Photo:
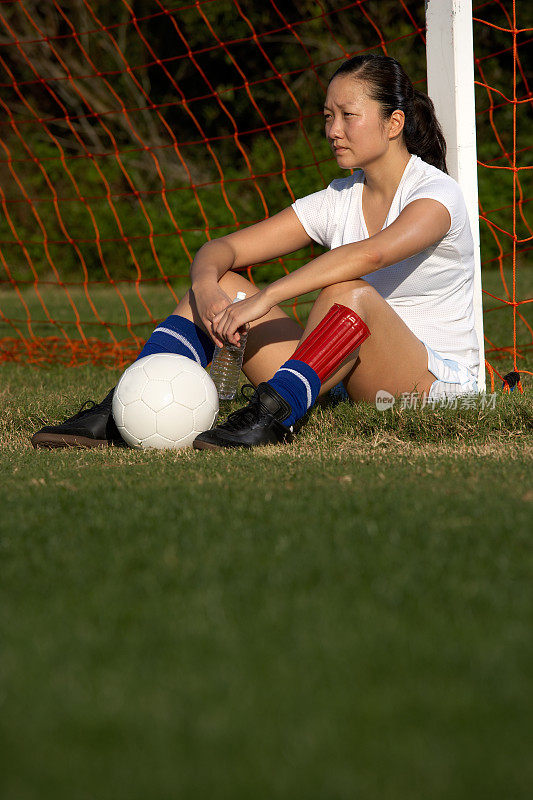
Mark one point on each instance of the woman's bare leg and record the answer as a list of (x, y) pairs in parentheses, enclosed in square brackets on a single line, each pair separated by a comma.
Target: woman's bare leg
[(392, 358), (271, 340)]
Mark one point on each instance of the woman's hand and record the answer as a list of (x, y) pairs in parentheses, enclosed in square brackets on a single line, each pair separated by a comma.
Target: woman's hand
[(226, 323), (210, 301)]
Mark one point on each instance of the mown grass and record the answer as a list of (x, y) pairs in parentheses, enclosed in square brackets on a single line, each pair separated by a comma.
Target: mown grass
[(346, 616)]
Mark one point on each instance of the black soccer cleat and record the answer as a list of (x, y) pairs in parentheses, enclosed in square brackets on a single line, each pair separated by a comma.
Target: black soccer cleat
[(90, 427), (258, 423)]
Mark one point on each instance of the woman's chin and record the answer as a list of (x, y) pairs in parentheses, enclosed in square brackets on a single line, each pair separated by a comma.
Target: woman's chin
[(345, 160)]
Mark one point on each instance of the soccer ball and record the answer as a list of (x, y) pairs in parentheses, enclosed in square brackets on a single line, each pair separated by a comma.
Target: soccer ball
[(164, 400)]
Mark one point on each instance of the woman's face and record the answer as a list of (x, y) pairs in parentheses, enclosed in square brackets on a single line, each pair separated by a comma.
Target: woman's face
[(355, 128)]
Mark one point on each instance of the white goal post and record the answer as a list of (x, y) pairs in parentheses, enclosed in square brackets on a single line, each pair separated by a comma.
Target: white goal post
[(450, 78)]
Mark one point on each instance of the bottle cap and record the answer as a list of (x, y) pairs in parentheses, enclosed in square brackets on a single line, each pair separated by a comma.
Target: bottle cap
[(240, 296)]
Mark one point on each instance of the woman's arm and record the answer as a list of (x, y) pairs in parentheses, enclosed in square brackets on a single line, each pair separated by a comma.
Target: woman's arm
[(421, 224), (273, 237)]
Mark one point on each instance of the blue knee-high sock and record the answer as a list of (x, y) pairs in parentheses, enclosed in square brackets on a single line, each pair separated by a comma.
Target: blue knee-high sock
[(181, 336), (299, 385)]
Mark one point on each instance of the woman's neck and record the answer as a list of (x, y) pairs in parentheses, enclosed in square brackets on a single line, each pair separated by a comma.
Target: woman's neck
[(383, 176)]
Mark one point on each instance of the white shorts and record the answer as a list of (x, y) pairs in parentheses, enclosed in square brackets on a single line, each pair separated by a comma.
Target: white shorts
[(452, 379)]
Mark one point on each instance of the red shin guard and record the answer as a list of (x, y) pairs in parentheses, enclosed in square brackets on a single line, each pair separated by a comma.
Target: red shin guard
[(339, 334)]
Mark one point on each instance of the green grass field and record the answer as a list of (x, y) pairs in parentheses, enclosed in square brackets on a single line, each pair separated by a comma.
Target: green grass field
[(348, 616)]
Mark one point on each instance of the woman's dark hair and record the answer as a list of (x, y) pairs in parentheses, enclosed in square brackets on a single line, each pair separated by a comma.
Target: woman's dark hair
[(391, 88)]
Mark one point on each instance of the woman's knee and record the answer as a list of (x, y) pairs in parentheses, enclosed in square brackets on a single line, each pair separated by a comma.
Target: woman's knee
[(233, 282), (356, 294), (230, 283)]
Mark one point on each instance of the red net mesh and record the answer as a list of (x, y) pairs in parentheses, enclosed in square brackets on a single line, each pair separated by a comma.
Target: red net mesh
[(133, 132)]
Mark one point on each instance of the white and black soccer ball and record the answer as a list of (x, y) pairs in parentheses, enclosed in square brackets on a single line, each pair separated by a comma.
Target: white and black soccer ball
[(164, 400)]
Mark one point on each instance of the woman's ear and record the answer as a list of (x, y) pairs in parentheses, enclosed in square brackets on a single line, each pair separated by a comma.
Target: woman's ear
[(396, 123)]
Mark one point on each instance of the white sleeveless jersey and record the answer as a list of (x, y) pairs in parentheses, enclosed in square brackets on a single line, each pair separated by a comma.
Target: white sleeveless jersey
[(433, 290)]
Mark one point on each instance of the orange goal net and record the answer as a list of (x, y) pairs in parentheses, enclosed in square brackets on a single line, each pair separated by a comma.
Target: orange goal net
[(132, 132)]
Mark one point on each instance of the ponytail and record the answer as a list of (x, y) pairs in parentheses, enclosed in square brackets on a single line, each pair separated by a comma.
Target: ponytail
[(391, 88), (423, 134)]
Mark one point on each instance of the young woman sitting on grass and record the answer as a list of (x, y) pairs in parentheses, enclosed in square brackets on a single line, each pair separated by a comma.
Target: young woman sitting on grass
[(398, 277)]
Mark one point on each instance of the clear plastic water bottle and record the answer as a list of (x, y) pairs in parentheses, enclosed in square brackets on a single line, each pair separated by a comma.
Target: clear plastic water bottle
[(227, 363)]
